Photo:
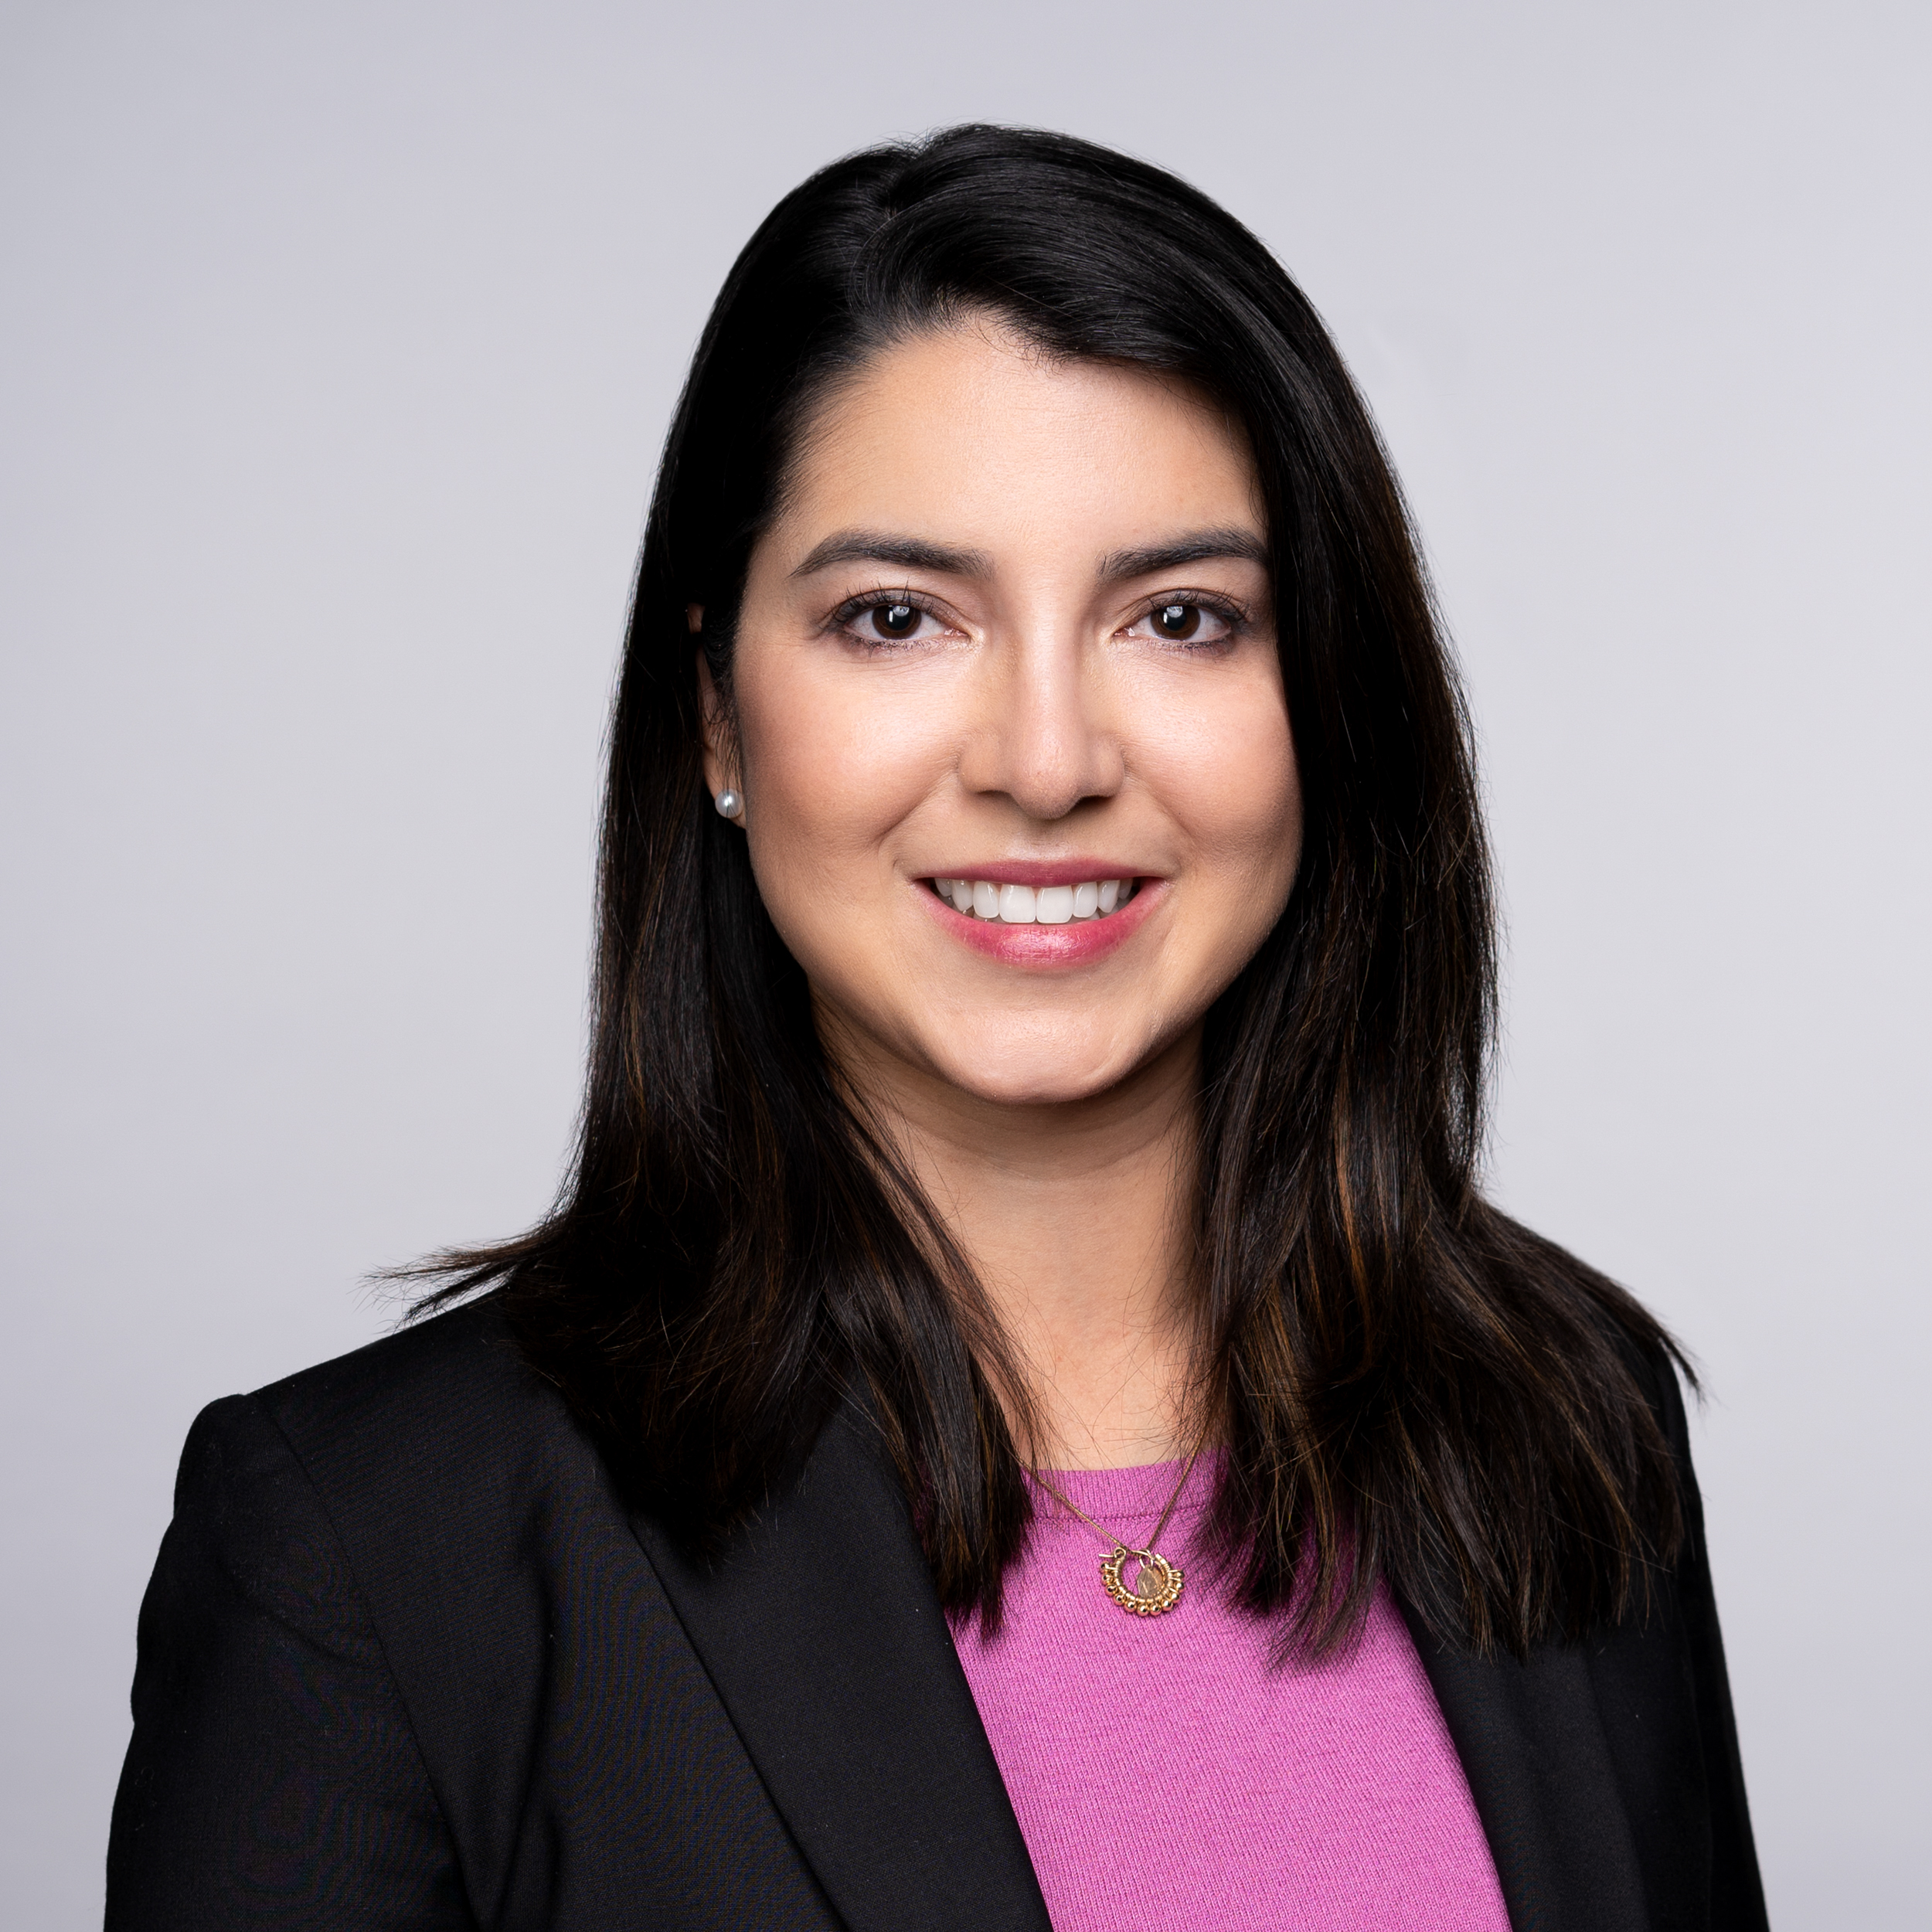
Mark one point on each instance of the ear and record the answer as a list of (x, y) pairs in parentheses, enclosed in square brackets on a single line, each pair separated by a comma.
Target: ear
[(720, 739)]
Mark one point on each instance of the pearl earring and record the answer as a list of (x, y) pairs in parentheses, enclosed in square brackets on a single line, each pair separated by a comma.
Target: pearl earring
[(729, 803)]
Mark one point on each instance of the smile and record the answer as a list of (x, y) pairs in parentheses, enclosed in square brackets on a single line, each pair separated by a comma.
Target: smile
[(1035, 906)]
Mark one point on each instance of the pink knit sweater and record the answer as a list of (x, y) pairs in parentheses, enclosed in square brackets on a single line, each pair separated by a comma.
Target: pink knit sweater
[(1164, 1771)]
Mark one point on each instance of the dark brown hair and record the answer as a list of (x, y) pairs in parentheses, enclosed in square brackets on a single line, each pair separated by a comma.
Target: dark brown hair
[(1408, 1384)]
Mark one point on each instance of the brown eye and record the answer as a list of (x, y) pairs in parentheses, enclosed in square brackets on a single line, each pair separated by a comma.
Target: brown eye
[(895, 619), (1188, 621)]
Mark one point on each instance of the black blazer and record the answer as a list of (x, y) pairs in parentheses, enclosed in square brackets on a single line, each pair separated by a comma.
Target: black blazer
[(408, 1660)]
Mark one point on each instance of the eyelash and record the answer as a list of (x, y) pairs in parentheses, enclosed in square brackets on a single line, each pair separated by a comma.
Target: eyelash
[(853, 608), (1233, 615)]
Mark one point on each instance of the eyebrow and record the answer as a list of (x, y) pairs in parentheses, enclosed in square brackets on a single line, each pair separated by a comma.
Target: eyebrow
[(1198, 546), (907, 553), (916, 553)]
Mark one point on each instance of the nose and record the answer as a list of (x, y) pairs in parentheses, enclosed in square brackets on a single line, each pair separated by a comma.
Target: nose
[(1046, 736)]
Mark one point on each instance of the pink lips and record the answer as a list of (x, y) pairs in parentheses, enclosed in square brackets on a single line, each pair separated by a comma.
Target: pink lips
[(1077, 943)]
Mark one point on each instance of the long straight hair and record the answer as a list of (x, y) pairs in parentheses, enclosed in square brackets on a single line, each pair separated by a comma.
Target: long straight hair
[(1408, 1385)]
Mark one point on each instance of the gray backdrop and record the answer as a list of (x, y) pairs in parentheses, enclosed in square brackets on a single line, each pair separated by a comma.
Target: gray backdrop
[(335, 345)]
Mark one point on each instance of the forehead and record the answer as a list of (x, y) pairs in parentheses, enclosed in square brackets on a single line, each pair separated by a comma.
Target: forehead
[(972, 435)]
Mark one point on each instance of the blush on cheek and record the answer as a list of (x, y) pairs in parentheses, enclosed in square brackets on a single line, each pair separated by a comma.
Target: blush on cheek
[(832, 742), (817, 826), (1232, 783)]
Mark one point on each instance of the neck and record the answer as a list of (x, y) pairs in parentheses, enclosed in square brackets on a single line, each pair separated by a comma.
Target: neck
[(1075, 1217)]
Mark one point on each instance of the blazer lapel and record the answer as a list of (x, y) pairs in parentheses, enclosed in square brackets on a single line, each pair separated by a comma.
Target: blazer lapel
[(821, 1632), (1532, 1743)]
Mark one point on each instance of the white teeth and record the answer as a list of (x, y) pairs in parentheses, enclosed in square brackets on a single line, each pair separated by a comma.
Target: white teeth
[(1028, 906)]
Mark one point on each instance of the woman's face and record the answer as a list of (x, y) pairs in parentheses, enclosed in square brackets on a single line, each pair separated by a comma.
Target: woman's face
[(1018, 778)]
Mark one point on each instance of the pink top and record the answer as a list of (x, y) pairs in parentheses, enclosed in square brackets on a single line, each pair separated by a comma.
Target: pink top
[(1162, 1764)]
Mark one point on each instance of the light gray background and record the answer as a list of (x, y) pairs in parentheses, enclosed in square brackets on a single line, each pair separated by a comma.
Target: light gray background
[(335, 345)]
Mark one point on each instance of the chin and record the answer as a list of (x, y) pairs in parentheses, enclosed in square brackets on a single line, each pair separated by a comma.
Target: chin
[(1035, 1092), (1008, 1075)]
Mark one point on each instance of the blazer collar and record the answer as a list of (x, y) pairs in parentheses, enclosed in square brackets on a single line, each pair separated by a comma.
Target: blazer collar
[(822, 1633)]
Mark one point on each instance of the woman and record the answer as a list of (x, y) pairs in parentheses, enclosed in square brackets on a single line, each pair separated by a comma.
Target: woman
[(1021, 1413)]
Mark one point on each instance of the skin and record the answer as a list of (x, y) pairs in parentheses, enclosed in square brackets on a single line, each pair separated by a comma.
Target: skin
[(1037, 712)]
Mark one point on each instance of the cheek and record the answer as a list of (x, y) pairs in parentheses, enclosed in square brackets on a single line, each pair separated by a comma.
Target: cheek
[(831, 764), (1226, 771)]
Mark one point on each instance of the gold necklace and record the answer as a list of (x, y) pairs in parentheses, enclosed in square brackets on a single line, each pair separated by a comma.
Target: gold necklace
[(1156, 1588)]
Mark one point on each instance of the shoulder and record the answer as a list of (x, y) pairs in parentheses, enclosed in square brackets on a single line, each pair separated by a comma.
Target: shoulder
[(440, 1430), (459, 1368), (479, 1526)]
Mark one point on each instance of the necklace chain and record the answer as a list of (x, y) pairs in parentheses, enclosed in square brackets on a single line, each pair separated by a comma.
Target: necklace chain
[(1158, 1588)]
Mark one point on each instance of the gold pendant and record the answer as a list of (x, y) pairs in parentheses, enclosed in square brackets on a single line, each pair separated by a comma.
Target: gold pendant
[(1156, 1589)]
